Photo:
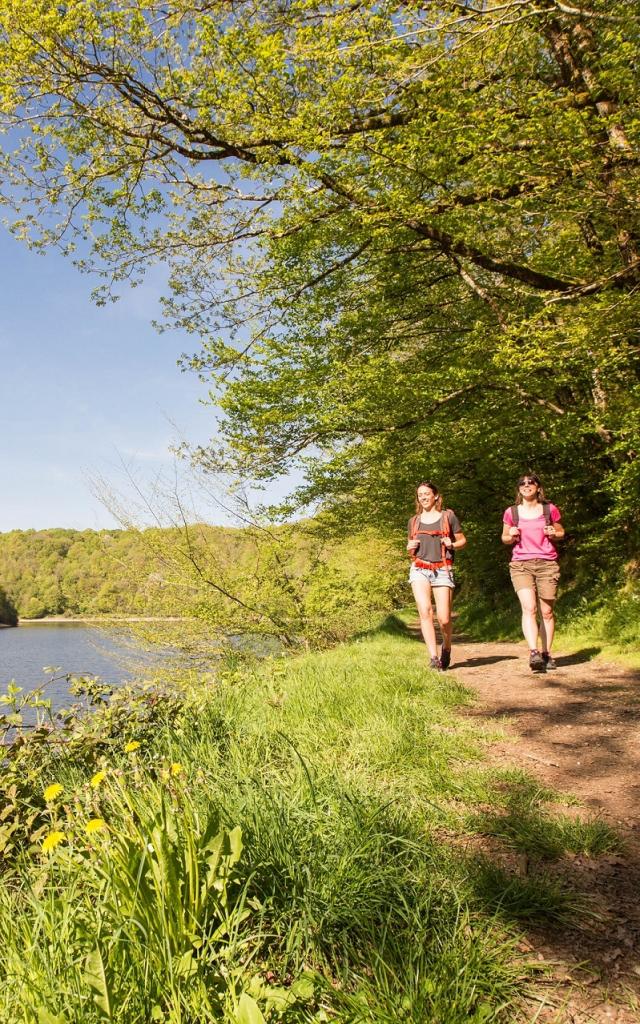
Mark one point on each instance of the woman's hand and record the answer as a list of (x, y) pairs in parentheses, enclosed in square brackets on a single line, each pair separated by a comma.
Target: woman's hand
[(550, 531), (448, 543), (412, 546), (510, 534)]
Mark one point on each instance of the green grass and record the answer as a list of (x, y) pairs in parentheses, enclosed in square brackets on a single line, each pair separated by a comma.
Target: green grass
[(539, 834), (612, 625), (533, 897), (605, 620), (291, 845)]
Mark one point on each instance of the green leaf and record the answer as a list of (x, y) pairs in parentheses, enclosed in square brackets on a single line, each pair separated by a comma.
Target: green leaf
[(47, 1017), (96, 976), (304, 988), (235, 842), (248, 1011), (186, 966)]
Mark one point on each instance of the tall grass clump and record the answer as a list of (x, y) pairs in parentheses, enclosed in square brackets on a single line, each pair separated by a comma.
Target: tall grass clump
[(516, 812), (611, 620), (132, 911)]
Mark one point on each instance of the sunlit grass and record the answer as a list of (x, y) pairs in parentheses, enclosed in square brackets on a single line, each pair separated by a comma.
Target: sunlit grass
[(604, 619), (288, 845)]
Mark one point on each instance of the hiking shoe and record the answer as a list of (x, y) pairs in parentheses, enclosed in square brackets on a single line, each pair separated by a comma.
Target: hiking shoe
[(536, 661), (445, 658), (549, 663), (436, 664)]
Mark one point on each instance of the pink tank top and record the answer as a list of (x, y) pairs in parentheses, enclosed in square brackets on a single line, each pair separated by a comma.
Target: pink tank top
[(532, 543)]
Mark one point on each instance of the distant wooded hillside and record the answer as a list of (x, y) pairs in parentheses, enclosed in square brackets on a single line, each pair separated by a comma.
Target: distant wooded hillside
[(70, 572)]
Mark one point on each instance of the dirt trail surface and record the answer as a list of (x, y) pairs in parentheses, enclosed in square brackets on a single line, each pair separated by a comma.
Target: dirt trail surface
[(577, 730)]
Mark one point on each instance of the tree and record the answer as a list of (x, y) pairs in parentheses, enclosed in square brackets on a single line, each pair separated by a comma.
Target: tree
[(407, 234), (8, 613)]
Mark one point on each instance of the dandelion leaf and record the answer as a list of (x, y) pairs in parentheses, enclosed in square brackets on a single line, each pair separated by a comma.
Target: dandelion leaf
[(96, 976)]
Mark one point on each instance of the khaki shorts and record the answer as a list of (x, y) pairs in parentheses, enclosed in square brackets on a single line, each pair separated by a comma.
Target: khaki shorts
[(539, 574)]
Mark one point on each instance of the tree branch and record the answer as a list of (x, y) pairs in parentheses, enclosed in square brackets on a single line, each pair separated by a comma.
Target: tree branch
[(481, 292), (349, 258), (456, 247)]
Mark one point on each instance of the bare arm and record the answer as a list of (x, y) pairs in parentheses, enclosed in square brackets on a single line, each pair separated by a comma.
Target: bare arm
[(555, 531), (458, 542)]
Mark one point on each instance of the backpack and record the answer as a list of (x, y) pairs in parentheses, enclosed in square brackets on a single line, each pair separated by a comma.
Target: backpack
[(546, 511)]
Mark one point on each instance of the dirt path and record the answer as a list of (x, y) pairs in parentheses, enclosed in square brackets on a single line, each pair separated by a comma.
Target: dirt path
[(577, 730)]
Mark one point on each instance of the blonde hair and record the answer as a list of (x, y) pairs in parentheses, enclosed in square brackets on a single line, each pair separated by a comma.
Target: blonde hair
[(436, 491)]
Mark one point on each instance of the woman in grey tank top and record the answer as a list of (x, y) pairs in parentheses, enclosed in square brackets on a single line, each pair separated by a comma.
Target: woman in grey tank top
[(434, 535)]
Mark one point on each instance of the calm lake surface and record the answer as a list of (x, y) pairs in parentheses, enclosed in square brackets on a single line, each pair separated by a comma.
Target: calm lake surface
[(71, 647)]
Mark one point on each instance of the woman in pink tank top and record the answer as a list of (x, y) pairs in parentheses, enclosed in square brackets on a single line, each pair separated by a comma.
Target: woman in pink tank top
[(532, 526)]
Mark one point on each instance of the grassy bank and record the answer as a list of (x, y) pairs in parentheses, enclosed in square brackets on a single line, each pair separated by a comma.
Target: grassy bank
[(312, 839)]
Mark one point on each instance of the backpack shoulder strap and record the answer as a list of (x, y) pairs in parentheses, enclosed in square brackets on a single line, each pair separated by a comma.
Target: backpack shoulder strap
[(515, 518), (415, 522), (546, 511), (446, 553)]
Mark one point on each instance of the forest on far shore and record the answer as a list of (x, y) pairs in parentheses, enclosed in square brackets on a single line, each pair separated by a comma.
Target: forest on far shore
[(72, 572)]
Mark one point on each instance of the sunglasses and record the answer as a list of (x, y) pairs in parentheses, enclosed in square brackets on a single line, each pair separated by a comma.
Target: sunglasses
[(526, 481)]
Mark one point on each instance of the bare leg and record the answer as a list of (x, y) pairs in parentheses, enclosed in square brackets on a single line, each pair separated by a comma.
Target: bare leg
[(442, 596), (547, 624), (527, 598), (422, 593)]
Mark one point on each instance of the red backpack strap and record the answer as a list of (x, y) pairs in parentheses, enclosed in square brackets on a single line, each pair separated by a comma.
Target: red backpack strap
[(413, 530), (447, 555), (447, 527), (446, 532)]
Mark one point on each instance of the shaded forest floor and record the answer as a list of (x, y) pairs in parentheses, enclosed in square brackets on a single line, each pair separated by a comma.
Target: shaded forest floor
[(577, 730)]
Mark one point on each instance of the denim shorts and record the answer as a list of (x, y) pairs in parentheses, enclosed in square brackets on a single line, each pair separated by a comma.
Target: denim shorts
[(436, 577)]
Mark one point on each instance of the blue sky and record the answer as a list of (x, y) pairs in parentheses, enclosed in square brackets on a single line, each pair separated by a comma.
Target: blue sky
[(83, 389)]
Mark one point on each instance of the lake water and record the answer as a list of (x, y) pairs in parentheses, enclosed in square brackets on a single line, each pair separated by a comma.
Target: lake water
[(70, 647)]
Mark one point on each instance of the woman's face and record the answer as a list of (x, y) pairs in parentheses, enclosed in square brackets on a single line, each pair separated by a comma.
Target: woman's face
[(426, 497), (528, 488)]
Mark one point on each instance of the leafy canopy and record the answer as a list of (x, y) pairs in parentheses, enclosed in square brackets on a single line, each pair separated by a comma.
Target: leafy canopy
[(405, 235)]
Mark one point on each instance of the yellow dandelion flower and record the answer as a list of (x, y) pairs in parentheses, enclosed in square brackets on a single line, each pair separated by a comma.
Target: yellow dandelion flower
[(53, 791), (52, 840), (95, 825), (175, 768), (131, 746), (97, 779)]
